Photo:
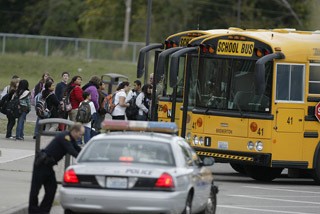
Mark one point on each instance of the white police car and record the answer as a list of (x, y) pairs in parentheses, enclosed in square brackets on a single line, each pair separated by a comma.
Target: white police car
[(138, 170)]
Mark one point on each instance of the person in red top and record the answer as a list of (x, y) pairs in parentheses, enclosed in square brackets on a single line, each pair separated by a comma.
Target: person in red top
[(75, 90)]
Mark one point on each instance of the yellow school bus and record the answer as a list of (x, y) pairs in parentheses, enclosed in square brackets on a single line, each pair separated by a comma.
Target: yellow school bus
[(169, 100), (255, 101), (161, 110)]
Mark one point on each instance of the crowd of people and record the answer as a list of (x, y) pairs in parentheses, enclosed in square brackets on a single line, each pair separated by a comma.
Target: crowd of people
[(129, 103)]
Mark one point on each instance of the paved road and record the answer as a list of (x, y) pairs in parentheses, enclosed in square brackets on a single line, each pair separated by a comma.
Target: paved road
[(241, 195), (238, 194)]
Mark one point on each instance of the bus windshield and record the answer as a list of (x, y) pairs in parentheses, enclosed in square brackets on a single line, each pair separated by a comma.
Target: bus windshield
[(228, 84)]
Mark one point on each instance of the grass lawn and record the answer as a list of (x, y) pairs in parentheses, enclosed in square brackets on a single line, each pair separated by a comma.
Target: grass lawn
[(28, 127), (31, 68)]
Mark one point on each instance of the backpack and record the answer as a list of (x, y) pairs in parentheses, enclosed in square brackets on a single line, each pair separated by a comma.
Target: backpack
[(109, 104), (65, 104), (41, 107), (133, 110), (33, 97), (102, 109), (84, 113), (3, 103), (13, 108)]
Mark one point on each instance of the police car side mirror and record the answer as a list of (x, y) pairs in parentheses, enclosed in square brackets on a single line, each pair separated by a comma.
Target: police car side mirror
[(208, 161)]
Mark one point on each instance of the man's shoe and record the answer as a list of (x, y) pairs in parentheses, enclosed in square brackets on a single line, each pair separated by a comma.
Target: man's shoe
[(19, 138)]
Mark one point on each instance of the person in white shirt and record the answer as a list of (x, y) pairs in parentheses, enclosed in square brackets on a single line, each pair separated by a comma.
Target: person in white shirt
[(135, 91), (6, 89), (87, 126), (143, 102), (131, 99), (120, 101)]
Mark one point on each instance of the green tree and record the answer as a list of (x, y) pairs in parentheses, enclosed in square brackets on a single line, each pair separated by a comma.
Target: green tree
[(103, 19)]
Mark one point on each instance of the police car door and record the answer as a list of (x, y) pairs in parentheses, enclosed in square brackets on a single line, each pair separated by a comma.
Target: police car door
[(199, 190)]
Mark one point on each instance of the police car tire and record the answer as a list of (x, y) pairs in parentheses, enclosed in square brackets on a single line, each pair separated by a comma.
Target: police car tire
[(69, 212), (187, 208), (213, 198)]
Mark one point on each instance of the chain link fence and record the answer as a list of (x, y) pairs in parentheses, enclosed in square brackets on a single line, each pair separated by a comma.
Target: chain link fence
[(72, 47)]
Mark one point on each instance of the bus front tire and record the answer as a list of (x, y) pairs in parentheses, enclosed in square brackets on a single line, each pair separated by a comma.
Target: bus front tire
[(238, 168), (263, 173), (316, 171)]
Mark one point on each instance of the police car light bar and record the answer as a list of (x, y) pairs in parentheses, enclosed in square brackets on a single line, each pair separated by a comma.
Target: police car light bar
[(127, 125)]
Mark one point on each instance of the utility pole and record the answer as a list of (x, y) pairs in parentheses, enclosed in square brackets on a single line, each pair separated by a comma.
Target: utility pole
[(239, 14), (149, 9), (127, 24)]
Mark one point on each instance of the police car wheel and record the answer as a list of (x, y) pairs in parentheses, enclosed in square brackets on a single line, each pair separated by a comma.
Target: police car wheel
[(69, 212), (211, 202), (187, 209)]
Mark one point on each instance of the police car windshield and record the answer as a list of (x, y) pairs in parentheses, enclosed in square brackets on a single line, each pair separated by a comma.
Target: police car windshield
[(128, 151)]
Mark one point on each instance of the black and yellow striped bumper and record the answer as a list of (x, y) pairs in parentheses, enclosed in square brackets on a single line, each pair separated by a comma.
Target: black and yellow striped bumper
[(224, 156)]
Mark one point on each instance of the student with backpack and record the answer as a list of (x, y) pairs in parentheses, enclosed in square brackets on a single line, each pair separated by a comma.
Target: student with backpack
[(85, 114), (50, 103), (132, 110), (35, 93), (39, 87), (24, 106), (120, 101), (6, 89), (143, 102), (92, 87), (4, 100)]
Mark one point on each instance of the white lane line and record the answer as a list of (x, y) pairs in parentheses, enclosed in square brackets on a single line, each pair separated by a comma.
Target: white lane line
[(288, 196), (253, 206), (275, 199), (261, 210), (280, 189), (9, 155)]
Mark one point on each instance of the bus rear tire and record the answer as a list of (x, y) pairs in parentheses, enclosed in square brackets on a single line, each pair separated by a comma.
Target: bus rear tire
[(263, 173), (238, 168)]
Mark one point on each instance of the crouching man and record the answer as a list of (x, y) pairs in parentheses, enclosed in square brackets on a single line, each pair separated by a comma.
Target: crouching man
[(43, 173)]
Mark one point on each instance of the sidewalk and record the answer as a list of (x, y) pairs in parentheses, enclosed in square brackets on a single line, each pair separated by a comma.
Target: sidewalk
[(16, 160)]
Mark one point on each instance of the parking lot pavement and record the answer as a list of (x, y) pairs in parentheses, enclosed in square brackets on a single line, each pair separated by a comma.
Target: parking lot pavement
[(16, 162)]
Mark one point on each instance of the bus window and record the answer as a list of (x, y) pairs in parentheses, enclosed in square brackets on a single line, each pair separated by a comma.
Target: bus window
[(193, 80), (229, 84), (314, 79), (290, 79)]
